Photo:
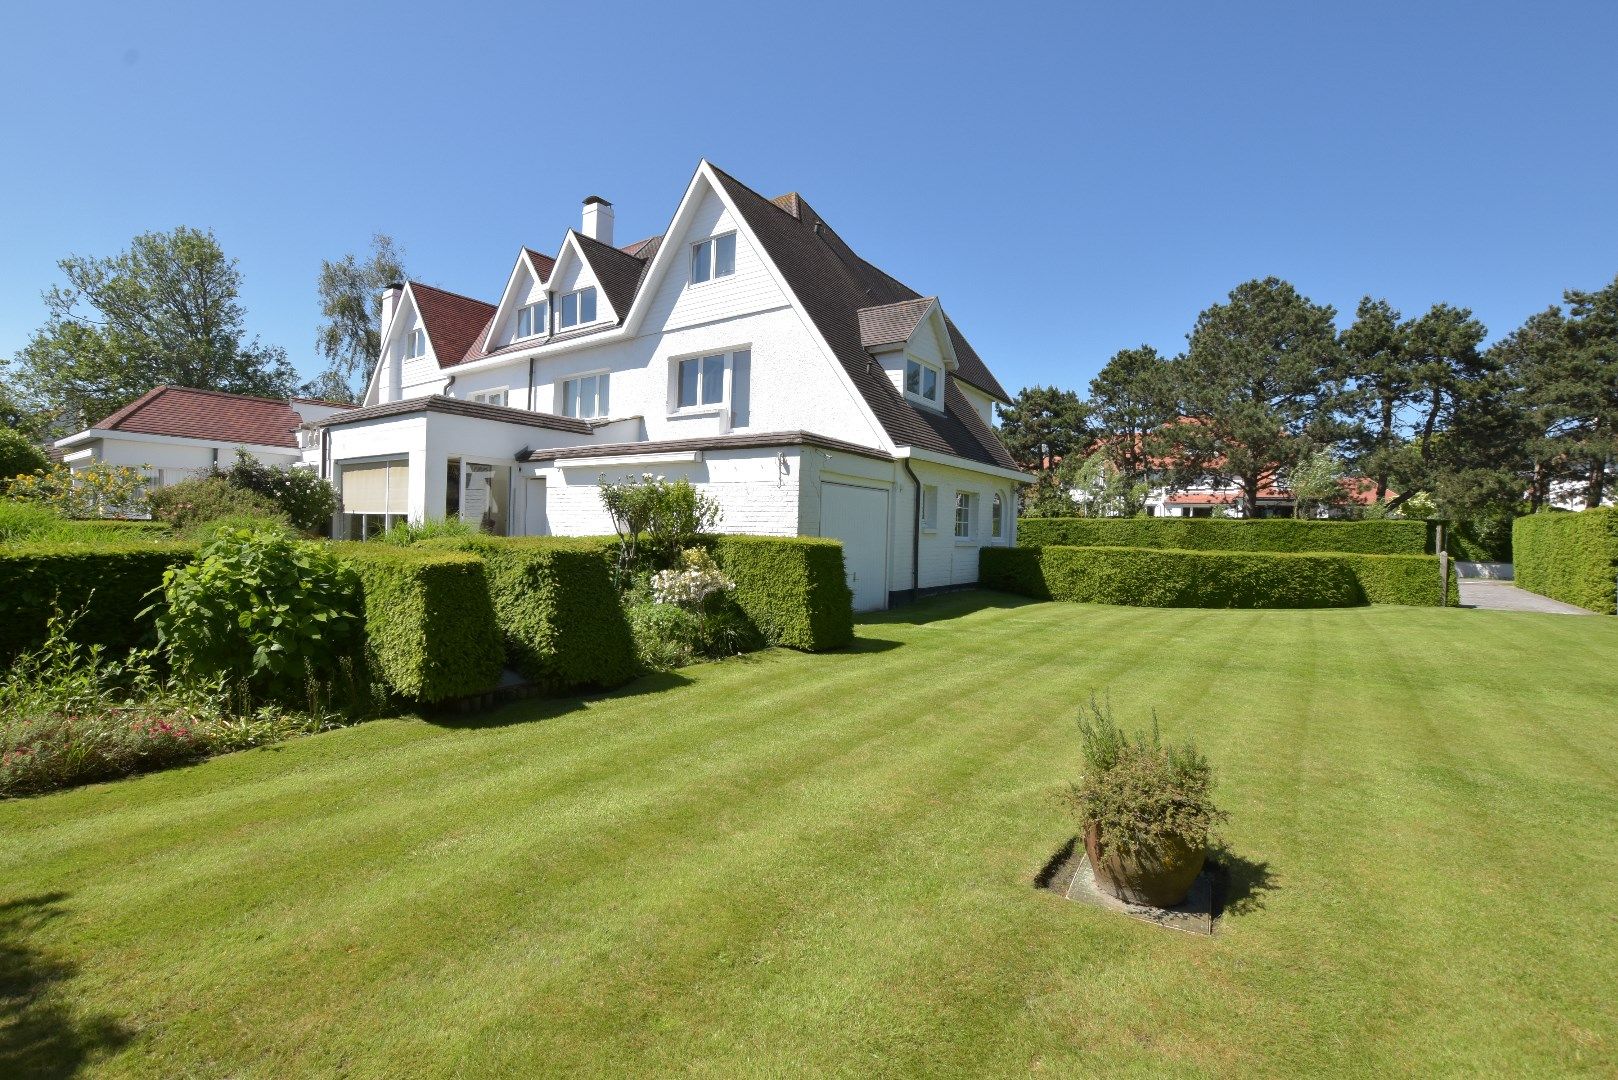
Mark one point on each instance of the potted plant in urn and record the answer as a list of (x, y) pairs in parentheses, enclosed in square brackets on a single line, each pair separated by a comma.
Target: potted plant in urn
[(1146, 808)]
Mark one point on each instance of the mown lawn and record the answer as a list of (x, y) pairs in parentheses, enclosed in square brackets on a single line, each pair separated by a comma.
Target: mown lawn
[(823, 864)]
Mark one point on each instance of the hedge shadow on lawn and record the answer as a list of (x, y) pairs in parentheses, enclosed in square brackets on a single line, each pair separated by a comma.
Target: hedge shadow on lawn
[(41, 1034), (942, 607), (530, 710)]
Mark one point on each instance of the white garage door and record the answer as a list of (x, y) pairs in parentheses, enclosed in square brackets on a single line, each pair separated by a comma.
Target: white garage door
[(858, 516)]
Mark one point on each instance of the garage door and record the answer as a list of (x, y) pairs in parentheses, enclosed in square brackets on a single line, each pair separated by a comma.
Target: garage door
[(858, 516)]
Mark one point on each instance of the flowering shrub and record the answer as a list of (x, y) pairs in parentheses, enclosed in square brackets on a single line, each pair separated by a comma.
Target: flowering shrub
[(692, 582), (655, 518), (193, 503), (96, 490), (301, 495)]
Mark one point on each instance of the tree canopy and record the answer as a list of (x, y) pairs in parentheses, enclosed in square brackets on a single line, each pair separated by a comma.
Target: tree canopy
[(351, 304)]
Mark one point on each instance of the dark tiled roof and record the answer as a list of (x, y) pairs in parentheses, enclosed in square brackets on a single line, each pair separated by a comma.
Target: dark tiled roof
[(458, 407), (455, 323), (892, 324), (182, 412), (710, 442), (833, 284), (542, 263), (618, 272)]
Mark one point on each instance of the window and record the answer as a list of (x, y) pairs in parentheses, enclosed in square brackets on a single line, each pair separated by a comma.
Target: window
[(929, 508), (585, 397), (416, 344), (997, 523), (713, 258), (578, 308), (963, 515), (375, 496), (700, 381), (921, 380), (490, 397), (533, 319)]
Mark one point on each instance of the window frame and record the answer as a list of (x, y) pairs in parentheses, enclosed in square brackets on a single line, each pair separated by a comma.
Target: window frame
[(923, 369), (965, 500), (727, 368), (535, 327), (929, 515), (997, 517), (561, 392), (481, 396), (579, 320), (416, 343), (711, 261)]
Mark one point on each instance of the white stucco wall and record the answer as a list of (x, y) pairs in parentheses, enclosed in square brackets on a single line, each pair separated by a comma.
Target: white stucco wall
[(170, 460)]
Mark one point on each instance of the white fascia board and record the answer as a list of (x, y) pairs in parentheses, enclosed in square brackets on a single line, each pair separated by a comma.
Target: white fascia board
[(183, 440), (665, 457), (506, 297), (919, 454), (934, 317)]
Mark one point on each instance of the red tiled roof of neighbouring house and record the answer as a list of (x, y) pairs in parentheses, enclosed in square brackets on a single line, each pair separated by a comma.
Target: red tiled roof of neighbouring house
[(454, 322), (182, 412)]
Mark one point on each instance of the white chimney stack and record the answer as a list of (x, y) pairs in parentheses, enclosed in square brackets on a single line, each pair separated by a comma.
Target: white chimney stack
[(390, 304), (598, 219)]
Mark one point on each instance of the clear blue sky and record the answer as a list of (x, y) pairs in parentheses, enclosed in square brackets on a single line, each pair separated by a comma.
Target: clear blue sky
[(1070, 181)]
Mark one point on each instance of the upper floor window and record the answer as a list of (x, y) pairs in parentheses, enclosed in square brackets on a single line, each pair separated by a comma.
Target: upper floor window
[(921, 380), (963, 515), (578, 308), (997, 522), (416, 343), (500, 396), (700, 381), (532, 319), (585, 397), (713, 258)]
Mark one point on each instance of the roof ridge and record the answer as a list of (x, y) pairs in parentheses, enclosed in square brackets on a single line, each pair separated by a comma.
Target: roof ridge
[(449, 292)]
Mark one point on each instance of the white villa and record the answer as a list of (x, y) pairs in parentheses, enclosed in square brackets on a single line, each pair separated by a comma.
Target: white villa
[(748, 349)]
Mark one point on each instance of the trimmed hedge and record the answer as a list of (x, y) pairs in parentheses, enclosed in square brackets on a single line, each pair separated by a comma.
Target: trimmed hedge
[(429, 624), (556, 606), (792, 588), (113, 584), (1228, 534), (1162, 577), (1571, 557)]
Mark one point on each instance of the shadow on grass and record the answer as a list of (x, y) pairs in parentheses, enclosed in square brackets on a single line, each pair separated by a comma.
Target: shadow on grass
[(863, 644), (529, 710), (40, 1036), (1240, 884), (944, 606)]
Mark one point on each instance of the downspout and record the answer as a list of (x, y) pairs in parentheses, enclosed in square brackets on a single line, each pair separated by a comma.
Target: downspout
[(915, 534)]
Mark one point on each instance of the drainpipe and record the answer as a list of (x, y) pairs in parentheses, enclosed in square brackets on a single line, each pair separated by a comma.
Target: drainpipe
[(915, 533)]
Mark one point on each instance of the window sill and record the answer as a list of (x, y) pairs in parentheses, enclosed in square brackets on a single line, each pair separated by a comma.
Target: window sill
[(697, 410), (710, 281)]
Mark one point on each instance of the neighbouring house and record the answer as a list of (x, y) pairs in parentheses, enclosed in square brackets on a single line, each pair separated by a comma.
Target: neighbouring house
[(172, 432), (748, 348)]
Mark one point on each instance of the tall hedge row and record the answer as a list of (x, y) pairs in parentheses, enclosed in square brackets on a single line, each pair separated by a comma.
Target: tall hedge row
[(430, 625), (111, 583), (792, 588), (1571, 557), (1228, 534), (557, 608), (1161, 577)]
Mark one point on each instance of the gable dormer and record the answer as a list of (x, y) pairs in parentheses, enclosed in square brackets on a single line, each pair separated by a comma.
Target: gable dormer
[(523, 312), (912, 342), (578, 300)]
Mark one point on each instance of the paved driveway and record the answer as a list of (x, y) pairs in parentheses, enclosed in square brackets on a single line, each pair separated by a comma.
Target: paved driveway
[(1504, 596)]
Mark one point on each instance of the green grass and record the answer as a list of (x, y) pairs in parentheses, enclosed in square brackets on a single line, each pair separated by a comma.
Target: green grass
[(796, 863)]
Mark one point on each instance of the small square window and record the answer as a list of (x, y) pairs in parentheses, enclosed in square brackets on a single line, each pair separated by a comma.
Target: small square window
[(713, 258), (578, 308), (921, 380)]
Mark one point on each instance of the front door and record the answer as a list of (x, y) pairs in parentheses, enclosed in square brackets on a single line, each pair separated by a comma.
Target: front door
[(858, 516), (534, 523)]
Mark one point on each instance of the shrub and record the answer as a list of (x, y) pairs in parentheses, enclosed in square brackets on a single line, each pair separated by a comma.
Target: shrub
[(23, 521), (19, 455), (263, 610), (201, 499), (1150, 577), (791, 588), (29, 522), (560, 617), (1481, 539), (666, 636), (406, 533), (95, 490), (1140, 795), (656, 518), (430, 627), (206, 532), (1571, 557), (301, 495), (1390, 537), (112, 583)]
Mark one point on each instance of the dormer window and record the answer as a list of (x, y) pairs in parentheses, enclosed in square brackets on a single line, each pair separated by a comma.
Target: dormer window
[(713, 258), (416, 343), (578, 308), (532, 320), (921, 381)]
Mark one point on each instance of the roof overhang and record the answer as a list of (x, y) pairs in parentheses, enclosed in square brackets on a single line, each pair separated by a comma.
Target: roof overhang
[(91, 434), (917, 453)]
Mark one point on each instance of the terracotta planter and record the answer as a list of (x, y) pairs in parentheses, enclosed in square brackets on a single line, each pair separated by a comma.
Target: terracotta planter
[(1160, 878)]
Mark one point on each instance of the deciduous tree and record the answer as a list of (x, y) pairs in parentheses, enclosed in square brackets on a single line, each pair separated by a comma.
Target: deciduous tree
[(351, 304)]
